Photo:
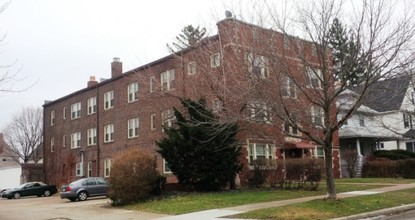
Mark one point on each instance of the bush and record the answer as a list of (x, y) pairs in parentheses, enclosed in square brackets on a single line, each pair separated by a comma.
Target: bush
[(261, 172), (407, 168), (133, 177), (394, 154), (381, 167)]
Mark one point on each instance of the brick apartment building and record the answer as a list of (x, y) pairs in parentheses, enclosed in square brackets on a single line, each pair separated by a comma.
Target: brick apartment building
[(232, 70)]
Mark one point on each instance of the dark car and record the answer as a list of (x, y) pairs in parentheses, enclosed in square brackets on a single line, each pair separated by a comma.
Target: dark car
[(30, 189), (83, 188)]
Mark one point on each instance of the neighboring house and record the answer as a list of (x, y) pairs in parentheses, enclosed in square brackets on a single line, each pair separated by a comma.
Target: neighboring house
[(85, 129), (10, 169), (384, 121)]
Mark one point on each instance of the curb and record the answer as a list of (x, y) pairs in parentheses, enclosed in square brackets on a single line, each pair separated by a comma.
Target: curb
[(401, 208)]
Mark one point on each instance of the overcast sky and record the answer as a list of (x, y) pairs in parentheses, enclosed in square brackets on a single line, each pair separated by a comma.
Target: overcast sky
[(57, 45)]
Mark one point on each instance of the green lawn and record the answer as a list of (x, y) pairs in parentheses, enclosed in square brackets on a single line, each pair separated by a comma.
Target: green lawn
[(320, 209), (180, 203)]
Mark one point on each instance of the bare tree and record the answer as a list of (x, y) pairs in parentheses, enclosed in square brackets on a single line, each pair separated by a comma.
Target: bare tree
[(24, 134)]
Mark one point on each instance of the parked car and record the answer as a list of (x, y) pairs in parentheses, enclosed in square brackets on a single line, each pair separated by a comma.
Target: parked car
[(30, 189), (83, 188)]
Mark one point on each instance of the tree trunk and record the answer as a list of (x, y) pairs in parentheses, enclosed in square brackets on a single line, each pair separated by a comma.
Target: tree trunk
[(331, 188)]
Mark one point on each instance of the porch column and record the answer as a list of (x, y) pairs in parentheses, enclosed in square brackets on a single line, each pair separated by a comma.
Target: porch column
[(359, 152)]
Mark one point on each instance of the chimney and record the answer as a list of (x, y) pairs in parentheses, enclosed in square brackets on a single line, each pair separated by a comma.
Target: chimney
[(116, 67), (1, 143), (92, 81)]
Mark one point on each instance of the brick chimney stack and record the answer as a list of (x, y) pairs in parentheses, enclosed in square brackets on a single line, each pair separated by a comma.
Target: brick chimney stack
[(92, 81), (1, 143), (116, 67)]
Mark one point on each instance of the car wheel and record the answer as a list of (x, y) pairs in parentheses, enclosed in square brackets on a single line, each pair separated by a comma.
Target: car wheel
[(82, 196), (72, 199), (46, 193), (16, 195)]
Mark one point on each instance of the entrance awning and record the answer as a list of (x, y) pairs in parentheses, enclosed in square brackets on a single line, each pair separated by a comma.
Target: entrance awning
[(299, 145)]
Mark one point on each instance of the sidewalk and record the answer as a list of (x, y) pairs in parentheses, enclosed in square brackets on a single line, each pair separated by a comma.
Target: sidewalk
[(220, 213)]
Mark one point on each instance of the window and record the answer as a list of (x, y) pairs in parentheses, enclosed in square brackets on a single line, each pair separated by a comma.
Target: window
[(109, 99), (79, 169), (167, 80), (410, 146), (288, 88), (152, 83), (52, 118), (52, 144), (258, 65), (407, 120), (361, 120), (166, 168), (317, 116), (107, 167), (259, 111), (64, 113), (108, 133), (133, 125), (319, 152), (76, 110), (132, 92), (92, 105), (168, 118), (293, 130), (258, 151), (315, 77), (314, 50), (76, 140), (92, 136), (191, 68), (217, 105), (215, 60), (89, 168), (153, 122), (64, 141)]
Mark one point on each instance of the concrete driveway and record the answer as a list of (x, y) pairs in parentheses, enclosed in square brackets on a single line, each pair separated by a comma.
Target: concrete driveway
[(48, 208)]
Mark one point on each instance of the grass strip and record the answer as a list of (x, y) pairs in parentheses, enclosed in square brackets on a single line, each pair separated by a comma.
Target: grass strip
[(181, 203), (321, 209)]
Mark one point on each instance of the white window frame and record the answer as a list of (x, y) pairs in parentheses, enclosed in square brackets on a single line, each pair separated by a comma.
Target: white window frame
[(289, 88), (75, 140), (152, 84), (52, 144), (107, 167), (89, 169), (168, 118), (109, 100), (291, 130), (407, 120), (52, 118), (215, 60), (315, 76), (167, 80), (258, 65), (269, 151), (361, 119), (191, 68), (132, 91), (92, 105), (166, 168), (317, 112), (76, 110), (108, 133), (259, 112), (64, 113), (92, 136), (319, 152), (153, 121), (79, 169), (217, 105), (133, 126)]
